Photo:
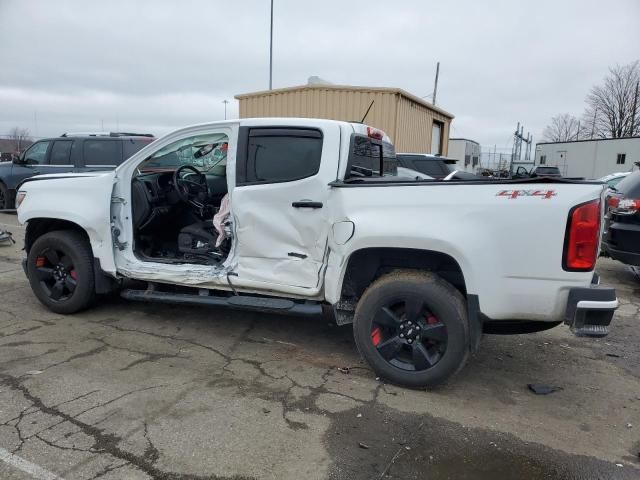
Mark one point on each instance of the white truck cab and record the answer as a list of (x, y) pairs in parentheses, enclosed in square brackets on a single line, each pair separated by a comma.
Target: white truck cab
[(306, 216)]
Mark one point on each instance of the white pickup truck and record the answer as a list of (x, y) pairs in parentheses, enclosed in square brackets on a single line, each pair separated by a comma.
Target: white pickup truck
[(311, 217)]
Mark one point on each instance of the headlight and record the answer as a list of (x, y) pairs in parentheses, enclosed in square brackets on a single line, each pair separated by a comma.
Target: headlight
[(19, 198)]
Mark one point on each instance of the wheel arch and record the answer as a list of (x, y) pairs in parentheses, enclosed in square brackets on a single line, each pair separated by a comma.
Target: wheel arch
[(364, 266), (36, 227)]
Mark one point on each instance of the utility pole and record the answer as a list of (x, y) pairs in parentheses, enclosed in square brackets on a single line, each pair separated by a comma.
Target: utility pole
[(225, 101), (435, 85), (527, 153), (495, 151), (516, 149), (271, 50)]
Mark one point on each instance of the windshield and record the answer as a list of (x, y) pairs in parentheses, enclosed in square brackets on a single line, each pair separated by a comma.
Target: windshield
[(369, 157), (202, 152)]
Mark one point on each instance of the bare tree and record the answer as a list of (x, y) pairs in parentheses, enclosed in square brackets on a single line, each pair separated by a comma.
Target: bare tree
[(613, 108), (19, 138), (563, 128)]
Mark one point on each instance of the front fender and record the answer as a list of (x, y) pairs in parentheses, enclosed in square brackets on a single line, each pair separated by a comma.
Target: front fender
[(83, 200)]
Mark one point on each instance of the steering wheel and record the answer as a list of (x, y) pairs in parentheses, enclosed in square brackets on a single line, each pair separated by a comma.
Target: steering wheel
[(189, 190)]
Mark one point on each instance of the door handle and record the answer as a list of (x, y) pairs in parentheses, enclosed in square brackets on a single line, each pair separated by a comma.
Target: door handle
[(306, 204)]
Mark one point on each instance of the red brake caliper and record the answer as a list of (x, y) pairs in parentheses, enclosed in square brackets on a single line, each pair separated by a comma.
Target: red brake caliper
[(431, 320), (376, 336), (73, 274), (40, 262)]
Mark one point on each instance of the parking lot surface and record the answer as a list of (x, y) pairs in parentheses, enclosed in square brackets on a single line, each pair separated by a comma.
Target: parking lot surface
[(137, 391)]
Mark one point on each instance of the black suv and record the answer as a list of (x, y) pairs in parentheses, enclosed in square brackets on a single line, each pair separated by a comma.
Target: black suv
[(538, 171), (433, 165), (69, 153), (621, 239)]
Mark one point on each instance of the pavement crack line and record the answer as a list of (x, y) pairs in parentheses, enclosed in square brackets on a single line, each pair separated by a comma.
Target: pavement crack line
[(104, 443), (108, 469)]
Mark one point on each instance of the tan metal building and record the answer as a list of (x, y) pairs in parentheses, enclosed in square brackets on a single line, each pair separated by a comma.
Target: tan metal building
[(413, 124)]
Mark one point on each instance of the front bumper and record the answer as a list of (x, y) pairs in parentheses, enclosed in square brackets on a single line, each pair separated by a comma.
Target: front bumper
[(590, 310), (630, 258)]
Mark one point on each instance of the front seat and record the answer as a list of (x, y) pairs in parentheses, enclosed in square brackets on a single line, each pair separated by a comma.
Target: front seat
[(199, 239)]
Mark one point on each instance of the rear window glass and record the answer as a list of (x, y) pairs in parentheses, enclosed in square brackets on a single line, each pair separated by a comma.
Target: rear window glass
[(553, 170), (283, 158), (434, 167), (369, 157), (630, 185), (132, 145), (102, 152)]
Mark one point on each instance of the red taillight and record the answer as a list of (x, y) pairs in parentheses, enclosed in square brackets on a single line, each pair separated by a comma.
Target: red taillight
[(624, 206), (582, 237), (374, 133)]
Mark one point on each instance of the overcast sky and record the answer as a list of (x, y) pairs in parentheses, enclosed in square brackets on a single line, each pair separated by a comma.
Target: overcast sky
[(158, 65)]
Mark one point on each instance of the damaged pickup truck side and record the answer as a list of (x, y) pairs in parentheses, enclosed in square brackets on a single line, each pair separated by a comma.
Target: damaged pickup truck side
[(307, 216)]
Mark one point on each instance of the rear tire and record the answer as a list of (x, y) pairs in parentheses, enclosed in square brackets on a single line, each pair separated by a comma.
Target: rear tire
[(60, 270), (6, 199), (412, 328)]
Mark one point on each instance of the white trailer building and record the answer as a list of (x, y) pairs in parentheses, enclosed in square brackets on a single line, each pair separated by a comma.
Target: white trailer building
[(467, 152), (590, 159)]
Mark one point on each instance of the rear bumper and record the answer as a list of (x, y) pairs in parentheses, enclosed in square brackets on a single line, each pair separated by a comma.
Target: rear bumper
[(590, 310)]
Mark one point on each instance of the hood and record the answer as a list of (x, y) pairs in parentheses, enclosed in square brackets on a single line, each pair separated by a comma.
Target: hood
[(58, 176)]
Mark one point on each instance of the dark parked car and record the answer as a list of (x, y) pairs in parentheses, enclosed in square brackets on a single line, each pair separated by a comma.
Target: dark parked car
[(68, 153), (545, 172), (538, 171), (435, 166), (621, 239)]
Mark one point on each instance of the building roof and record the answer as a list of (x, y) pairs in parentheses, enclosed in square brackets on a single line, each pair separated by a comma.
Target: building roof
[(586, 140), (353, 88), (465, 139)]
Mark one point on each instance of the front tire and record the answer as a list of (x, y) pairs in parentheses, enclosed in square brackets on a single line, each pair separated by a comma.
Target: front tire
[(6, 199), (60, 270), (412, 328)]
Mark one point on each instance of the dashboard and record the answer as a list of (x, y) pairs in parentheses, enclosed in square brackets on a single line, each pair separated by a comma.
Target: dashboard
[(159, 188)]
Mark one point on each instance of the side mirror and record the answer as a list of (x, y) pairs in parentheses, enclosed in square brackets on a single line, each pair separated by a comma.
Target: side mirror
[(19, 160)]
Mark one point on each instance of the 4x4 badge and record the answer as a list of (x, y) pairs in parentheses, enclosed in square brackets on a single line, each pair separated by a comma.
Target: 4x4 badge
[(513, 194)]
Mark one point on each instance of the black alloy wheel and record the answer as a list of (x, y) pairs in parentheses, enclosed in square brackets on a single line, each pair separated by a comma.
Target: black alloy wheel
[(60, 271), (408, 335), (56, 273), (412, 328)]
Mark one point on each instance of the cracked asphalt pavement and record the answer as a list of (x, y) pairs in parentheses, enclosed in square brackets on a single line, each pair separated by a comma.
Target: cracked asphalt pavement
[(139, 391)]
